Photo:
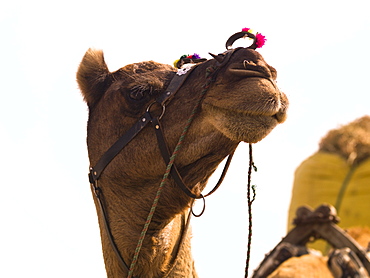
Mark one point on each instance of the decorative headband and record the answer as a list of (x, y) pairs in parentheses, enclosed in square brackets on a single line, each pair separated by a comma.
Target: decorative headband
[(258, 41), (186, 59)]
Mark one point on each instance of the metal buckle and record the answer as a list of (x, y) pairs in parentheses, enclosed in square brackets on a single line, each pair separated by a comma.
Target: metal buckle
[(163, 109)]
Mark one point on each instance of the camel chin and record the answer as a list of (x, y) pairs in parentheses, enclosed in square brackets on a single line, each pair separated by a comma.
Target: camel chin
[(240, 126), (258, 108)]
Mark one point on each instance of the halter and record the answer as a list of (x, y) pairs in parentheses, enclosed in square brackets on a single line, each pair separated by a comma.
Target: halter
[(163, 100), (96, 171)]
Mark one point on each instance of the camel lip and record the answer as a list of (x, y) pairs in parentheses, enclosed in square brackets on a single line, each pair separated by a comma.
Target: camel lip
[(280, 117), (277, 115), (246, 73), (252, 73)]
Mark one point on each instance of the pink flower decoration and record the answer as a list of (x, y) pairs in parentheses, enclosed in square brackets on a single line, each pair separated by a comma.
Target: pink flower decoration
[(246, 29), (260, 40)]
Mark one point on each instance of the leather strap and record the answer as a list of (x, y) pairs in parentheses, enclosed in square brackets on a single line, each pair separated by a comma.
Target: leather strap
[(163, 146), (111, 153), (174, 86), (115, 149), (96, 190)]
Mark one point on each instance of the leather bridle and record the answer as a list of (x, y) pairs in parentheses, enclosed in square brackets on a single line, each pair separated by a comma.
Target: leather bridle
[(162, 100), (97, 170)]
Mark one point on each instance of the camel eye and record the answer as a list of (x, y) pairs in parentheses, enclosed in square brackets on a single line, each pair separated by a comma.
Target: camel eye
[(137, 93)]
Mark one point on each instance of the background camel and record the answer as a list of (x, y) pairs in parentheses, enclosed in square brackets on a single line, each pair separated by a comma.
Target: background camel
[(243, 104), (338, 174), (348, 256)]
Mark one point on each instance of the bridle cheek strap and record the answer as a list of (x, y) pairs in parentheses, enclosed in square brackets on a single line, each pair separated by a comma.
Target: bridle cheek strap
[(96, 190), (115, 149), (163, 146), (111, 153)]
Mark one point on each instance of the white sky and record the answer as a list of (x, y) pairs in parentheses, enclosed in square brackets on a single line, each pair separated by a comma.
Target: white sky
[(49, 226)]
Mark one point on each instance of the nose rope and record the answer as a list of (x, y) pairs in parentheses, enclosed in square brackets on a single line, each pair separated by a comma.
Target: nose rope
[(250, 201)]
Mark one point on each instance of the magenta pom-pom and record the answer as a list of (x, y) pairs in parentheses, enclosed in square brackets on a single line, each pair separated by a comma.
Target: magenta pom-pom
[(260, 40)]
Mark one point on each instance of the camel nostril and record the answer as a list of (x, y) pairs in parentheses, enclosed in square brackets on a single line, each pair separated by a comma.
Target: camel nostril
[(255, 67), (247, 64)]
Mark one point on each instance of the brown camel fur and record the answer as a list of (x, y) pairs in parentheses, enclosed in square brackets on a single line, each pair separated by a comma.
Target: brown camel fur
[(307, 266), (239, 106)]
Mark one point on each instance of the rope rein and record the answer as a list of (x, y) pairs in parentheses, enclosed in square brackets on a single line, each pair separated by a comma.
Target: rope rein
[(209, 74), (250, 201)]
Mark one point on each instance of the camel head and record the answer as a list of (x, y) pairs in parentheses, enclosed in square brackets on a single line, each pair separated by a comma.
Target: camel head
[(242, 103)]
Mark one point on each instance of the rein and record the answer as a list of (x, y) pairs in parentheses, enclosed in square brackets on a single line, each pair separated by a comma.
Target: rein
[(250, 201), (170, 165)]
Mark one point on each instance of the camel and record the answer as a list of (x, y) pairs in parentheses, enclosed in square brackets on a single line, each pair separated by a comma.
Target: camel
[(349, 255), (338, 174), (241, 103)]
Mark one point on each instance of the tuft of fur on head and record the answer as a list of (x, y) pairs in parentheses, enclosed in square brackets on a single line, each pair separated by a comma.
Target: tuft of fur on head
[(351, 141), (93, 76), (144, 77)]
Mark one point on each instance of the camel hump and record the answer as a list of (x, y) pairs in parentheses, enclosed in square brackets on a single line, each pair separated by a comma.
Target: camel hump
[(93, 76)]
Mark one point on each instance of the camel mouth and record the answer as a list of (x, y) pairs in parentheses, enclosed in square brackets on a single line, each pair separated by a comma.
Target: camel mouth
[(275, 116), (271, 110), (280, 116), (246, 73), (270, 116)]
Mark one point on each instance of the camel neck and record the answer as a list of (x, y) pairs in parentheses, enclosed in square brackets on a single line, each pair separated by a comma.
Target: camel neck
[(163, 248)]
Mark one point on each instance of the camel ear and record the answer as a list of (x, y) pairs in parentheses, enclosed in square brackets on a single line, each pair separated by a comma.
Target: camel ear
[(93, 76)]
